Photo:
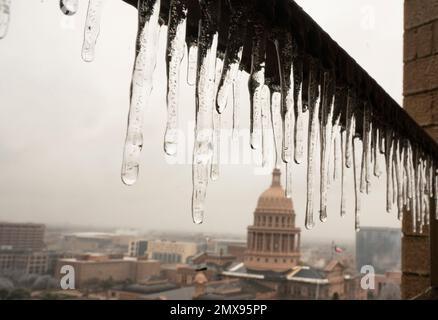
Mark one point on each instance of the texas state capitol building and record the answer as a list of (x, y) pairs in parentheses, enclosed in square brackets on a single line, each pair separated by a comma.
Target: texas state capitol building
[(272, 256)]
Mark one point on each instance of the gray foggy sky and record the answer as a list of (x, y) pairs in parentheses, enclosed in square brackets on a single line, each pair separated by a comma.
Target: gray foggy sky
[(63, 122)]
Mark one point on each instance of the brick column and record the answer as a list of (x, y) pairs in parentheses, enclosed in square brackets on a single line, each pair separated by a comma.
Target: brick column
[(421, 101)]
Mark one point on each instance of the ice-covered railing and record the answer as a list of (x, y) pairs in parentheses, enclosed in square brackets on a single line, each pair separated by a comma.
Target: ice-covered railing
[(295, 68)]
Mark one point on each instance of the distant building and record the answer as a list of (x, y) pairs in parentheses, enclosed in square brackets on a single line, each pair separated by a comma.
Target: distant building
[(24, 261), (138, 248), (22, 236), (22, 248), (200, 289), (171, 251), (224, 246), (378, 247), (83, 242), (212, 259), (104, 267), (387, 286)]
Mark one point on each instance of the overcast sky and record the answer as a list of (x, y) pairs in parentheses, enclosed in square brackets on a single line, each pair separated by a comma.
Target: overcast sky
[(63, 122)]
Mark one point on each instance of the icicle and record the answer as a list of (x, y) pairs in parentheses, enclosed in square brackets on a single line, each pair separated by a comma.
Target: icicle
[(203, 147), (426, 206), (408, 165), (365, 179), (277, 126), (233, 54), (336, 137), (325, 134), (285, 52), (236, 104), (69, 7), (435, 191), (343, 173), (299, 115), (312, 141), (351, 129), (362, 183), (398, 155), (382, 142), (256, 82), (428, 173), (368, 144), (431, 176), (388, 158), (267, 136), (214, 173), (423, 191), (412, 188), (92, 27), (192, 63), (404, 173), (420, 190), (394, 182), (141, 87), (417, 199), (356, 189), (375, 150), (176, 33), (5, 10)]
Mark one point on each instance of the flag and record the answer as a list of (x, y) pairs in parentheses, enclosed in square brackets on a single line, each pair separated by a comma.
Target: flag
[(338, 249)]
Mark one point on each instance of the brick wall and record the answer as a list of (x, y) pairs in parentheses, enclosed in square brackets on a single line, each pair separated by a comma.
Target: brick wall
[(421, 101)]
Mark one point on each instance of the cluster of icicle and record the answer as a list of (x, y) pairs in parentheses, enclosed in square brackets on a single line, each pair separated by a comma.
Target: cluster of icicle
[(335, 113), (69, 8)]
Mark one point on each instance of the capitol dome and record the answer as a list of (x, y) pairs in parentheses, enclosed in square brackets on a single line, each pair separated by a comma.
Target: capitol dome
[(274, 199), (273, 239)]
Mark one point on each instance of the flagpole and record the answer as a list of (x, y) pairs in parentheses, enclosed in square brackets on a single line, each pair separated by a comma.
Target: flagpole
[(333, 249)]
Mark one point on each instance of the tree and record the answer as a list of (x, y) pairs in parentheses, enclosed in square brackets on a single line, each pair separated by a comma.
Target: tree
[(4, 294), (18, 294)]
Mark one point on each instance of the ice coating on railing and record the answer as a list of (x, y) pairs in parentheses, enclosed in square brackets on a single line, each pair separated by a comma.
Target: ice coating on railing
[(141, 87), (92, 29), (5, 11)]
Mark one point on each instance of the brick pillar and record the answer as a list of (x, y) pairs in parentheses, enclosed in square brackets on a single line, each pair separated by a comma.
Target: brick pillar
[(421, 101)]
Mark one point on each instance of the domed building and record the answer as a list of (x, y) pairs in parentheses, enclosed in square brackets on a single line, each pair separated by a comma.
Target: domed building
[(272, 268), (273, 242)]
